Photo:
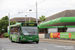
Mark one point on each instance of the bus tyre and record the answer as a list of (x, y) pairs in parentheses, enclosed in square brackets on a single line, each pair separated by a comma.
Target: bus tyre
[(37, 42), (11, 40), (20, 40)]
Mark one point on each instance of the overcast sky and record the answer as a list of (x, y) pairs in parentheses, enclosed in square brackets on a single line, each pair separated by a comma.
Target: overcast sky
[(45, 7)]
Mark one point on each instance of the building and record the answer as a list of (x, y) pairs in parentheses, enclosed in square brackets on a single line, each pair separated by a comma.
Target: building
[(65, 13), (22, 19)]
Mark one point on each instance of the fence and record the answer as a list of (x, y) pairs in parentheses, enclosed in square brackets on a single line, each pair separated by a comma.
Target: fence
[(60, 35)]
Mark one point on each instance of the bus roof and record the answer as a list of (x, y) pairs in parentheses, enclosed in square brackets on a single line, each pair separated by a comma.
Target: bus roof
[(17, 24)]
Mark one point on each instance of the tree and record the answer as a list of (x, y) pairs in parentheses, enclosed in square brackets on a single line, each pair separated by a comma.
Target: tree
[(31, 21), (11, 23), (42, 18), (4, 23), (41, 29), (5, 18)]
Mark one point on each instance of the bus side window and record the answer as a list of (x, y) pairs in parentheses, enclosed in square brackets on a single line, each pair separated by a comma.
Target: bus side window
[(19, 30), (11, 30), (14, 30)]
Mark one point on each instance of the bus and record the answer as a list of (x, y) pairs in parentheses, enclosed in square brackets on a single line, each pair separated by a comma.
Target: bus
[(23, 32)]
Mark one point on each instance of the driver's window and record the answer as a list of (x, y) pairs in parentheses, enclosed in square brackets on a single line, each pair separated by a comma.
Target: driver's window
[(14, 30)]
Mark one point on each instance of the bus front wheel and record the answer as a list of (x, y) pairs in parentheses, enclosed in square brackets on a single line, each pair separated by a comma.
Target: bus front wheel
[(20, 40), (11, 40), (37, 42)]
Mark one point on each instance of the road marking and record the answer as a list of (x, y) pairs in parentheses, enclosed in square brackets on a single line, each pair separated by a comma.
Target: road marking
[(27, 49), (42, 48), (65, 47), (2, 49), (45, 49), (30, 46)]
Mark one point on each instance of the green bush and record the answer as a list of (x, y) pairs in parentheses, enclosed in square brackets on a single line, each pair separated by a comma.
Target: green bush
[(6, 35)]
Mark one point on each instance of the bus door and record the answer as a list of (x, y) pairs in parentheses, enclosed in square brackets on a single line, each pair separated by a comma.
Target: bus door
[(14, 36), (18, 33), (15, 33)]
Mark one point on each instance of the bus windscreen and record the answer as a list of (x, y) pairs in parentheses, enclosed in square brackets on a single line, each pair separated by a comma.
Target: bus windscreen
[(30, 30)]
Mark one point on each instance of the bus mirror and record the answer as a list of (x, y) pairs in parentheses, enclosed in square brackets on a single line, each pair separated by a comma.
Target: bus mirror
[(38, 27)]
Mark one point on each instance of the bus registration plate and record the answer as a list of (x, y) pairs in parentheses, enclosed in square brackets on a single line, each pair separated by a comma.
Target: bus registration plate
[(30, 40)]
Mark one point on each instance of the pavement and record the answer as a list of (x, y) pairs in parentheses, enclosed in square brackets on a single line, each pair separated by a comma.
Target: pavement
[(58, 40)]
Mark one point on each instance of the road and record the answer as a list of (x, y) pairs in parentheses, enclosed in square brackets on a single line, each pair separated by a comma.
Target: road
[(6, 44)]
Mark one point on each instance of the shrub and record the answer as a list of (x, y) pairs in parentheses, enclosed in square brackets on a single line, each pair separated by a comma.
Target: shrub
[(6, 35)]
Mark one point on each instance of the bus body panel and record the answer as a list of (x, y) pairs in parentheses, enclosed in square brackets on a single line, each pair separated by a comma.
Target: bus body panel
[(14, 37), (32, 38)]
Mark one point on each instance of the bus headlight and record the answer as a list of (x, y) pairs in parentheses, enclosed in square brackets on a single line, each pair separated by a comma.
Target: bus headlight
[(24, 38), (36, 38)]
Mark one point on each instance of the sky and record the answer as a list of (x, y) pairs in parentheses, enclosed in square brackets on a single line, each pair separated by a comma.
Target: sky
[(44, 7)]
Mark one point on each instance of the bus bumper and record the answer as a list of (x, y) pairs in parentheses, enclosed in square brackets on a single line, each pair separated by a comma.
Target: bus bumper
[(23, 40)]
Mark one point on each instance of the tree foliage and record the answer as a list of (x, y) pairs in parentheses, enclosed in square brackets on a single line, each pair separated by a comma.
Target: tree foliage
[(5, 35), (31, 21), (42, 18), (41, 29), (5, 18), (4, 23)]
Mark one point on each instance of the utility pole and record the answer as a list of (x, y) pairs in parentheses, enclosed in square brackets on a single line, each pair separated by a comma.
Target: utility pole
[(9, 23), (29, 15), (36, 14), (25, 18), (9, 18), (37, 11)]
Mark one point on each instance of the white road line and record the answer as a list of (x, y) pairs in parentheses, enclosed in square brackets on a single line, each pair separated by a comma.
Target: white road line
[(30, 46), (26, 48), (45, 49), (42, 48), (2, 49), (65, 47)]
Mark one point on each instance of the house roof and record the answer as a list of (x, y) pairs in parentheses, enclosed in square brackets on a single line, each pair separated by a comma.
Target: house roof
[(66, 13), (23, 19)]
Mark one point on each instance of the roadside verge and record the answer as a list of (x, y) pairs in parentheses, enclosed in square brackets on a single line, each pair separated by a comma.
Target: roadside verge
[(58, 40)]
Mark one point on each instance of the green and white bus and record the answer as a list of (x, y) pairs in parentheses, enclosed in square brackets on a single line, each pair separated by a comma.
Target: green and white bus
[(23, 32)]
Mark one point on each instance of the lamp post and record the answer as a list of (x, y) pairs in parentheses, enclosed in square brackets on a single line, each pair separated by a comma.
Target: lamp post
[(25, 18), (9, 22), (36, 14), (9, 18), (37, 11), (29, 15)]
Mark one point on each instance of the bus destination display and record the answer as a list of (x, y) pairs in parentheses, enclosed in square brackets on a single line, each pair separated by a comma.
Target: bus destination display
[(29, 24)]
